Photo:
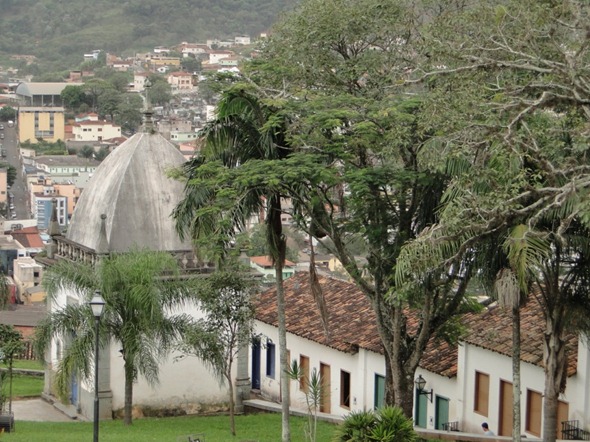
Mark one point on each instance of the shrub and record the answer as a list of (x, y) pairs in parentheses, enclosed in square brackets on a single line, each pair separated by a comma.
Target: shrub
[(387, 424)]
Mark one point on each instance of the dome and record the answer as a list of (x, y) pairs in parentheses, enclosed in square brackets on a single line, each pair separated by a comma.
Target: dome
[(132, 189)]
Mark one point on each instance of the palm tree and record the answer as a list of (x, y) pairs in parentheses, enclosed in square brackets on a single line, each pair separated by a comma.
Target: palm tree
[(140, 289), (215, 207)]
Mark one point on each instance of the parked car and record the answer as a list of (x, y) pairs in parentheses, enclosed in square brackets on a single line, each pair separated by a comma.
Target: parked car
[(1, 127)]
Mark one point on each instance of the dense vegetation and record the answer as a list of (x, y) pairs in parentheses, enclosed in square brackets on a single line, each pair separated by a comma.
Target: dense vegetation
[(62, 31)]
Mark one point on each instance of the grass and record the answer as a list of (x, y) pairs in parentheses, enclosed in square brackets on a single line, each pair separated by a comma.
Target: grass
[(28, 365), (263, 427), (26, 386)]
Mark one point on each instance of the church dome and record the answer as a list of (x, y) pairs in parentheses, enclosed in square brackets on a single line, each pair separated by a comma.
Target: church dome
[(131, 187)]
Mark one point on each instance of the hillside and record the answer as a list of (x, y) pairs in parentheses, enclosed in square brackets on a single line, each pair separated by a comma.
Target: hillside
[(55, 30)]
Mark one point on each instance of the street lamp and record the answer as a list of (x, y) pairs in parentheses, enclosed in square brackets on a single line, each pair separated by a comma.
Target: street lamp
[(420, 383), (97, 306)]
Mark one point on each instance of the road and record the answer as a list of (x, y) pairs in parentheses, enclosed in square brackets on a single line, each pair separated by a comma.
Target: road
[(21, 195)]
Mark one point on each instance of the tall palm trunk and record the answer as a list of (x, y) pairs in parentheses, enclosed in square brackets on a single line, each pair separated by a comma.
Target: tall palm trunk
[(129, 378), (284, 363), (508, 292), (555, 363), (516, 425)]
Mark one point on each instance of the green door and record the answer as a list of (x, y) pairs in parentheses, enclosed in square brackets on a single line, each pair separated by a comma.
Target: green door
[(441, 412), (421, 409), (379, 391)]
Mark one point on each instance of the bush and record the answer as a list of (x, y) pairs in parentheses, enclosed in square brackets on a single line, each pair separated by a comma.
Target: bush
[(387, 424)]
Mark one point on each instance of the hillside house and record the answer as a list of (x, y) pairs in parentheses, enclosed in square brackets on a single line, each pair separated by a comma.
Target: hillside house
[(180, 81), (95, 130), (264, 266)]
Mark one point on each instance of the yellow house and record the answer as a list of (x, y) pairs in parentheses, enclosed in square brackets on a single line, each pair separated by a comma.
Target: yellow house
[(46, 123)]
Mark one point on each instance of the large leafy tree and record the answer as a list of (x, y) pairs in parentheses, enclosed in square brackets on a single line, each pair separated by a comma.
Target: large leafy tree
[(514, 76), (366, 164), (219, 201), (141, 290)]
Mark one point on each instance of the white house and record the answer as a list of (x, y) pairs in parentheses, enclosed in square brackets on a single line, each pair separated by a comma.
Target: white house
[(215, 56), (242, 40), (264, 265), (187, 49), (95, 130), (139, 79), (465, 385)]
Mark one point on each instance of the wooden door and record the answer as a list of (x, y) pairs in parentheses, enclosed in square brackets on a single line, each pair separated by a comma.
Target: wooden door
[(562, 415), (505, 420), (325, 396)]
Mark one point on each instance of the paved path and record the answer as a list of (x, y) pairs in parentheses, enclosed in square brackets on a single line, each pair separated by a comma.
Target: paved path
[(37, 410)]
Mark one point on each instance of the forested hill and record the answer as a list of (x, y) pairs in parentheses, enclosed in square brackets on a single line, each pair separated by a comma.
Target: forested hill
[(57, 29)]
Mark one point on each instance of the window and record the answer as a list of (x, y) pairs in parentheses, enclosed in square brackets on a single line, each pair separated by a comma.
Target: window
[(304, 367), (344, 389), (534, 406), (270, 359), (482, 393)]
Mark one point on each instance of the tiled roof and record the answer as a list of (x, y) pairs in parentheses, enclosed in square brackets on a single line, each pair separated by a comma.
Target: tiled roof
[(492, 330), (265, 261), (23, 315), (352, 323), (28, 237)]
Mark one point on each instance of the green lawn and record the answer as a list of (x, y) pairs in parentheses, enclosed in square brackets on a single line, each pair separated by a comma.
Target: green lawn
[(29, 365), (264, 427), (26, 386)]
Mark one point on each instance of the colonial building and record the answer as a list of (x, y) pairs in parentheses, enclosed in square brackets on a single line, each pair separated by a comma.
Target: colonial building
[(466, 384), (127, 205)]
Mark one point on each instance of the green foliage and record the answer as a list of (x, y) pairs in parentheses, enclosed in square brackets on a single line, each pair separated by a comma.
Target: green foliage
[(10, 172), (387, 424), (7, 113), (313, 396), (11, 344), (86, 151), (140, 289)]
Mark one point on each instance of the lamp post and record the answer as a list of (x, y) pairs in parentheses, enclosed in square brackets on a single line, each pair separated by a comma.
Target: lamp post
[(97, 305), (420, 383)]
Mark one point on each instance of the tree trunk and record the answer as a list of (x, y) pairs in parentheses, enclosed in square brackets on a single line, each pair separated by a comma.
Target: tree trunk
[(555, 362), (232, 413), (284, 364), (403, 388), (516, 373), (129, 378)]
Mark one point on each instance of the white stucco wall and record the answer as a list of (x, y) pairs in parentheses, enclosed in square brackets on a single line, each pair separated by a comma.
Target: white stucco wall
[(443, 387), (362, 367), (499, 368), (184, 384)]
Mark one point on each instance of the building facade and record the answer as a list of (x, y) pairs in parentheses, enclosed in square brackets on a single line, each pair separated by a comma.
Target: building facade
[(41, 123)]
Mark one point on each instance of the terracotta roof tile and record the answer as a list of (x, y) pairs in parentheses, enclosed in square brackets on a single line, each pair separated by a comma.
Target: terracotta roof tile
[(352, 324), (351, 320), (492, 330), (266, 261), (28, 237)]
